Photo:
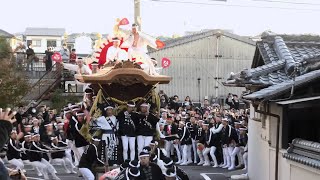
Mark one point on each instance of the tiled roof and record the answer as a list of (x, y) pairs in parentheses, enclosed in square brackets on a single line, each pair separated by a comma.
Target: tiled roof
[(284, 86), (190, 38), (45, 32), (303, 160), (72, 37), (304, 152), (277, 62), (5, 34)]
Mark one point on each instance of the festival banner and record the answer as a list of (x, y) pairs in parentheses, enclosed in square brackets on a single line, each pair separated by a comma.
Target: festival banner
[(56, 57), (165, 62)]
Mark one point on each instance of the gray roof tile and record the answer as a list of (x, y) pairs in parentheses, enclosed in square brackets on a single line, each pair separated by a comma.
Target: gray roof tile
[(304, 152), (279, 59), (273, 90), (303, 160), (190, 38), (45, 31)]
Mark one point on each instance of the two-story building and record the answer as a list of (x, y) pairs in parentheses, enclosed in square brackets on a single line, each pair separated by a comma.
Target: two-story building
[(41, 38)]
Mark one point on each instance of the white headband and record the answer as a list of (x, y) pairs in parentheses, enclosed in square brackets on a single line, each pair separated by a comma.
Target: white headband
[(134, 165), (134, 175), (109, 107), (94, 139), (167, 164), (144, 105)]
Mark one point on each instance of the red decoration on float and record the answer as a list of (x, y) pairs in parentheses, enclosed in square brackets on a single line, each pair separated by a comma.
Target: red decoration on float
[(160, 44), (102, 58), (123, 22), (57, 57)]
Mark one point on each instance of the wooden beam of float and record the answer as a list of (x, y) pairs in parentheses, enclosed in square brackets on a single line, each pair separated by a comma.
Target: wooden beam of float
[(126, 74)]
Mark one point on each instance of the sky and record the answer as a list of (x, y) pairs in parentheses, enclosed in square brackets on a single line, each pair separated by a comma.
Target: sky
[(164, 18)]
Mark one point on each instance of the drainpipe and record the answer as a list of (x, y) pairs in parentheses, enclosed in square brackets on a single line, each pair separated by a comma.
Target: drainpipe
[(278, 137)]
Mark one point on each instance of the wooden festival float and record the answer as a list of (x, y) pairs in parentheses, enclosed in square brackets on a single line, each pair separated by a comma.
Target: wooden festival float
[(126, 81), (116, 84)]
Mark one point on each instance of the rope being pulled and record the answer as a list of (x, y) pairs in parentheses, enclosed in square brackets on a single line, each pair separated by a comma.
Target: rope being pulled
[(48, 151)]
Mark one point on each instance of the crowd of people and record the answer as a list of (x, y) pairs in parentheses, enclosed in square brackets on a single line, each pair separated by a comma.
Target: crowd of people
[(26, 56), (145, 145)]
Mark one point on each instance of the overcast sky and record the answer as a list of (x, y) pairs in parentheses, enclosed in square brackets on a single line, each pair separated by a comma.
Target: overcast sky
[(163, 18)]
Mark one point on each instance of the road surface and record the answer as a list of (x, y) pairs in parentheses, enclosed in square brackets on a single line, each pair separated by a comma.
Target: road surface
[(194, 172)]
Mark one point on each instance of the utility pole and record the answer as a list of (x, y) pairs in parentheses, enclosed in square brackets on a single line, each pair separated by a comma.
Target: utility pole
[(218, 35), (137, 17)]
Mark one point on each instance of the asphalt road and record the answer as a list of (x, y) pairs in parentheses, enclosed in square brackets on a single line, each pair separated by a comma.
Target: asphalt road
[(194, 172)]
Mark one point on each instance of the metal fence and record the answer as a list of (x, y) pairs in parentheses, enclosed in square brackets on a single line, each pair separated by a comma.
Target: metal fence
[(33, 66)]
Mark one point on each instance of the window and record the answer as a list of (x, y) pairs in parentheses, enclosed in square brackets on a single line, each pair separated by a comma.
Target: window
[(29, 42), (36, 43), (51, 43), (301, 122)]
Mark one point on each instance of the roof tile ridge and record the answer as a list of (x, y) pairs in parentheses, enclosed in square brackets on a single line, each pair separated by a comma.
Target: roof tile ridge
[(284, 53)]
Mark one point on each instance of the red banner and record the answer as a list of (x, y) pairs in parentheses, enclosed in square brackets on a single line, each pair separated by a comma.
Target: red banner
[(165, 62), (57, 57)]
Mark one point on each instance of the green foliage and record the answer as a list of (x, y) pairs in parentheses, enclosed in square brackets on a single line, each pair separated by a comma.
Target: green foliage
[(59, 101), (14, 84), (5, 49)]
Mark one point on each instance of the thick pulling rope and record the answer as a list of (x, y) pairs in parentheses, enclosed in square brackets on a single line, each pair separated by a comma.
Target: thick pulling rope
[(50, 151)]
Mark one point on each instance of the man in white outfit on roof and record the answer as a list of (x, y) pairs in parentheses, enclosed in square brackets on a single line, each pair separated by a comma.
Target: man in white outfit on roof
[(137, 43)]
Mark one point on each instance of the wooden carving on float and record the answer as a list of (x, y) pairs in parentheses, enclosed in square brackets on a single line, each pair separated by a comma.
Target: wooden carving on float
[(125, 73), (127, 64)]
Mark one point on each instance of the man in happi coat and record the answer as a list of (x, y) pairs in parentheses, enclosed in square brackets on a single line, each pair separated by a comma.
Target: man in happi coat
[(109, 126)]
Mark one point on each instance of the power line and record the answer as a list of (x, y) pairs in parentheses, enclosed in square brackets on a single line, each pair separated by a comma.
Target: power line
[(288, 2), (231, 5)]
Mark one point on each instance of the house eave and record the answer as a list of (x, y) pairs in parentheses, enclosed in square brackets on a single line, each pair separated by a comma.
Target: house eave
[(59, 36), (234, 85)]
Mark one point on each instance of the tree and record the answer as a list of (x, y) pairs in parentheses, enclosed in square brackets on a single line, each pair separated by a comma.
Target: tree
[(14, 85), (4, 49), (59, 101)]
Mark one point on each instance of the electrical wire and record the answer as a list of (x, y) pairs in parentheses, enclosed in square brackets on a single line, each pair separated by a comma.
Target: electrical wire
[(288, 2), (232, 5), (215, 78)]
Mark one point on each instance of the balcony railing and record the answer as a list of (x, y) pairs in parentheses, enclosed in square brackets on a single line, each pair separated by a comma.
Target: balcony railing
[(39, 72), (34, 66)]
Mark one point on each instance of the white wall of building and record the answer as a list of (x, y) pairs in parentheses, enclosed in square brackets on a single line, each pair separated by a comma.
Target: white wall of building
[(258, 149), (262, 152), (196, 59), (44, 39)]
